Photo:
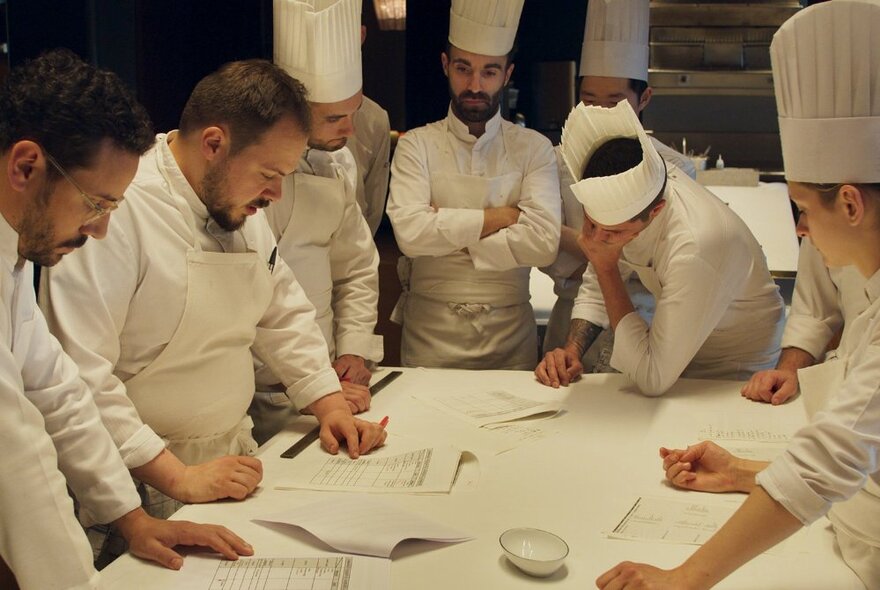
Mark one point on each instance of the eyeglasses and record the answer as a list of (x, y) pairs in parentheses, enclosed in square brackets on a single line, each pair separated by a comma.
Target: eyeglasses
[(100, 207)]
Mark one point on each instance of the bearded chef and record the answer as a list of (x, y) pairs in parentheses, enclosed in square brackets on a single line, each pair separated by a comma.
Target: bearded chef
[(613, 67), (186, 286), (475, 204), (718, 313), (322, 234)]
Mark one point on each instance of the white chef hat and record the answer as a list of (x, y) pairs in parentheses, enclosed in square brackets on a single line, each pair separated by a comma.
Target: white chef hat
[(610, 200), (318, 42), (485, 27), (616, 39), (826, 72)]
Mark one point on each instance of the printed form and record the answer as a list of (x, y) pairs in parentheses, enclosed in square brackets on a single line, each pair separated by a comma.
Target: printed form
[(327, 572), (673, 521), (489, 407)]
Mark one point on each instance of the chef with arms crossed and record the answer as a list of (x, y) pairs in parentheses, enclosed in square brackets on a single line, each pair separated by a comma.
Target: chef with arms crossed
[(475, 204), (185, 287), (70, 138), (827, 82)]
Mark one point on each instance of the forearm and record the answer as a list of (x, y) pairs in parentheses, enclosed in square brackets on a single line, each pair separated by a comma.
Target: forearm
[(793, 359), (497, 218), (744, 472), (617, 301), (759, 524), (165, 472), (581, 335)]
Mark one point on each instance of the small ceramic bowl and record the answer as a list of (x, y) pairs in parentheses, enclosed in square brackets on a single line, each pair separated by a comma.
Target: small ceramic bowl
[(536, 552)]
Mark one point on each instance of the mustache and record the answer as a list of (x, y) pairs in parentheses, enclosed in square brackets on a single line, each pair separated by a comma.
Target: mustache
[(75, 243), (467, 94), (260, 203)]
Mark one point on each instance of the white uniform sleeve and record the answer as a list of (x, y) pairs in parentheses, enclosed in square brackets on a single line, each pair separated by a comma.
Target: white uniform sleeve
[(694, 298), (677, 159), (565, 264), (829, 460), (421, 231), (48, 422), (815, 315), (86, 301), (534, 239), (290, 343), (354, 266)]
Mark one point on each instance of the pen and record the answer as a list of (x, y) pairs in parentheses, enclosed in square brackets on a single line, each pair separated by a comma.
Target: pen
[(383, 422), (272, 258)]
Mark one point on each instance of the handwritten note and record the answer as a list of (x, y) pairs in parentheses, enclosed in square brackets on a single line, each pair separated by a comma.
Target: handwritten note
[(489, 407), (361, 524), (673, 521)]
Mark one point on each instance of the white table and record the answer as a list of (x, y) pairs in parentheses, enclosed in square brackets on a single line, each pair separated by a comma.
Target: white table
[(766, 210), (576, 483)]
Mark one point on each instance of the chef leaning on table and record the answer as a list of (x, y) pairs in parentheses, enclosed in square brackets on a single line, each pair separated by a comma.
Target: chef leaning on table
[(322, 234), (718, 313), (162, 316), (475, 204), (613, 67), (827, 81), (825, 299), (70, 137)]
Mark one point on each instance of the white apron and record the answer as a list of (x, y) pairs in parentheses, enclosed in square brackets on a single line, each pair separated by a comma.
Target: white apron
[(456, 316), (857, 520), (305, 244), (195, 394)]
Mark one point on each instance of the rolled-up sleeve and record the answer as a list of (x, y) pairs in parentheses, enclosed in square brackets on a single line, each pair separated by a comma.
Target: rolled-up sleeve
[(829, 460)]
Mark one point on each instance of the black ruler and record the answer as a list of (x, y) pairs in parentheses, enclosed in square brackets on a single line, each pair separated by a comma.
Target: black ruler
[(315, 433)]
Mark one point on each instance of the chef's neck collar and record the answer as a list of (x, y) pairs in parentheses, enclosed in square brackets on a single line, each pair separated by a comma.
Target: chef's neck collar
[(872, 287), (461, 131), (9, 246), (176, 178)]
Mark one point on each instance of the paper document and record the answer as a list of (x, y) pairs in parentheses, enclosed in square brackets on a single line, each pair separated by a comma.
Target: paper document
[(489, 407), (761, 427), (425, 470), (673, 521), (362, 524), (328, 572)]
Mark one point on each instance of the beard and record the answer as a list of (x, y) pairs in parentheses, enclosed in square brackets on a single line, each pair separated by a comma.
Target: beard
[(36, 241), (328, 146), (214, 195), (476, 113)]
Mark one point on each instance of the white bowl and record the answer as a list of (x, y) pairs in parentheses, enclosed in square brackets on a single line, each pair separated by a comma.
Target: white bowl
[(536, 552)]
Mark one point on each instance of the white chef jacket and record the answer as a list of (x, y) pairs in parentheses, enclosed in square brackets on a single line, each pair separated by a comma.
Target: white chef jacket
[(421, 231), (371, 147), (116, 303), (345, 238), (718, 313), (52, 438), (824, 300), (833, 457)]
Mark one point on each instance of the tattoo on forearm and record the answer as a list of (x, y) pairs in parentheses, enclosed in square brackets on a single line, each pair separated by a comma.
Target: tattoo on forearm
[(582, 334)]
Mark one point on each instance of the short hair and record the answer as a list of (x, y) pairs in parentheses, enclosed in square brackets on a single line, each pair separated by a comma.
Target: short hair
[(70, 108), (248, 97), (638, 87), (616, 156)]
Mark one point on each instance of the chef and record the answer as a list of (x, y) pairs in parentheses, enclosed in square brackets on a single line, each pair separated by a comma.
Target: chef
[(187, 283), (828, 101), (70, 137), (474, 204), (371, 147), (322, 234), (718, 313), (613, 67), (825, 300)]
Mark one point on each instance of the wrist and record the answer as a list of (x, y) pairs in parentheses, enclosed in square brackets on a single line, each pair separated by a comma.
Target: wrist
[(333, 402), (574, 348), (744, 473), (128, 523)]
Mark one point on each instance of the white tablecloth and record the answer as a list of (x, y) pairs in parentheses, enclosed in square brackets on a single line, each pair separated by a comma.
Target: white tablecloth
[(576, 483)]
